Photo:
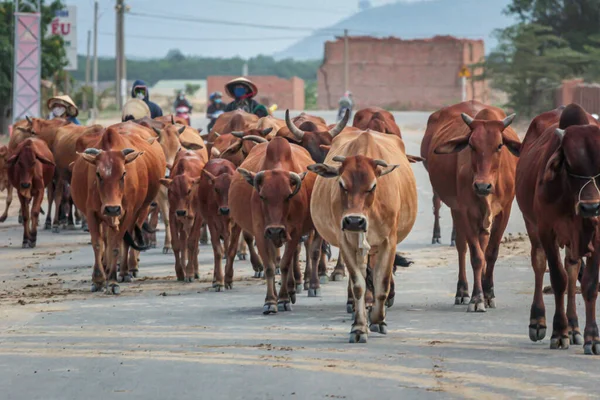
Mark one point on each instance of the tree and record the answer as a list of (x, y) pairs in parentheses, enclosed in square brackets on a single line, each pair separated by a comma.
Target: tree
[(190, 88), (53, 53)]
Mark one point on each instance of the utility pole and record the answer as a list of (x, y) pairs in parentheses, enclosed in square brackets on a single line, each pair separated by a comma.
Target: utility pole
[(95, 73), (245, 69), (87, 70), (346, 63), (120, 54)]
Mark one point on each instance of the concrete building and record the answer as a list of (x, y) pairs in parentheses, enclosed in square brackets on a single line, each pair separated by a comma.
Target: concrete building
[(421, 74)]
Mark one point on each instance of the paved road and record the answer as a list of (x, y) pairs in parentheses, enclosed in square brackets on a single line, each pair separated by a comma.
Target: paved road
[(163, 339)]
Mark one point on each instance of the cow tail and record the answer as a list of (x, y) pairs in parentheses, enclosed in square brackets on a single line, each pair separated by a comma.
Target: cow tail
[(130, 241), (147, 228), (400, 261)]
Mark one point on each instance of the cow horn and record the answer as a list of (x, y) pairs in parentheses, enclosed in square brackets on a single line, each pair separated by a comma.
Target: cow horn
[(340, 125), (238, 134), (339, 158), (468, 120), (172, 120), (181, 130), (255, 139), (259, 178), (266, 131), (92, 151), (560, 133), (217, 134), (127, 151), (508, 120), (29, 120), (156, 130), (381, 163), (298, 134), (295, 180)]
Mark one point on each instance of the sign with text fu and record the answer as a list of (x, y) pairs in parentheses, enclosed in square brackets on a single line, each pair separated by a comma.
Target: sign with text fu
[(64, 24)]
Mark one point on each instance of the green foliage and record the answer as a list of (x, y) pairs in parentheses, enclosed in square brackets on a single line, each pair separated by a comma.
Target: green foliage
[(190, 88), (174, 67), (310, 95)]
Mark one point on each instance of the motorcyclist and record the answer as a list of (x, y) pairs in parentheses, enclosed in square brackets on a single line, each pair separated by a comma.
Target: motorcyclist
[(243, 92), (140, 91), (181, 101), (346, 103), (63, 107), (215, 108)]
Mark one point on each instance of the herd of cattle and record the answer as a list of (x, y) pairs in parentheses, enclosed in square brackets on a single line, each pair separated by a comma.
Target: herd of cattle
[(300, 181)]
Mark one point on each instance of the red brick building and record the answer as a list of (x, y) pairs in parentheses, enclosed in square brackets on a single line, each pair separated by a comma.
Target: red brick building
[(400, 74), (286, 93)]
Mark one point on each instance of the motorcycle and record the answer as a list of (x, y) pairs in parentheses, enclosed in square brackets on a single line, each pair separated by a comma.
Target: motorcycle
[(213, 118), (183, 112)]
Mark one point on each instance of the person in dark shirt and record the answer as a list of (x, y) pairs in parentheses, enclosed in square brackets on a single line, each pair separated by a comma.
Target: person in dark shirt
[(243, 92), (215, 108), (140, 91)]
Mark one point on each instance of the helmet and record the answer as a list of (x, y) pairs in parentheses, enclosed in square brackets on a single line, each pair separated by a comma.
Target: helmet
[(215, 95), (348, 93)]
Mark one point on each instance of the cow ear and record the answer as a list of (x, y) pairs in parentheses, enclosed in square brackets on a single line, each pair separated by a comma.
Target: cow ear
[(324, 170), (247, 175), (211, 177), (414, 159), (453, 146), (181, 130), (45, 160), (192, 146), (387, 170), (11, 160), (554, 165), (89, 157), (166, 182), (132, 156), (514, 146)]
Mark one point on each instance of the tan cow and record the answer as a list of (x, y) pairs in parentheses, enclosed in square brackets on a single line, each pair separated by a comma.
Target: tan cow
[(4, 183), (365, 206)]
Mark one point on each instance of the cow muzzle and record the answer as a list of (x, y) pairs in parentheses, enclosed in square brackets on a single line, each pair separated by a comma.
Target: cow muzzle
[(589, 210), (277, 234), (112, 211), (482, 188), (354, 223), (181, 213), (25, 185), (224, 211)]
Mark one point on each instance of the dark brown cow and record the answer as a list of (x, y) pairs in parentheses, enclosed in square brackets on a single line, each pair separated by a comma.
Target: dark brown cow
[(184, 213), (4, 182), (557, 191), (113, 183), (376, 119), (471, 160), (269, 197), (30, 171), (214, 209)]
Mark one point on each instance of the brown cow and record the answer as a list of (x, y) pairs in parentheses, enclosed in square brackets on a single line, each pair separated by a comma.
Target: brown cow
[(4, 182), (557, 192), (172, 119), (231, 121), (184, 215), (114, 181), (269, 197), (366, 209), (376, 119), (214, 209), (481, 190), (30, 170)]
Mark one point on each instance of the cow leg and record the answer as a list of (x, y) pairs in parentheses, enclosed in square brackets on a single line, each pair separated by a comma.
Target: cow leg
[(382, 276), (491, 255), (322, 264), (192, 250), (204, 235), (295, 285), (589, 290), (98, 273), (477, 241), (218, 278), (558, 279), (71, 213), (243, 247), (278, 261), (255, 260), (339, 272), (232, 246), (462, 286), (357, 269), (58, 198), (287, 278), (453, 235), (572, 267), (150, 237), (124, 261), (51, 193), (314, 257), (25, 219), (114, 248), (350, 299), (177, 244), (267, 254), (537, 319), (9, 197), (183, 258), (163, 205), (36, 207), (437, 204)]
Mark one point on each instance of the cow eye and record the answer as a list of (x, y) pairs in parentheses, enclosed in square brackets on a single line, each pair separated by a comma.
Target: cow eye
[(217, 191), (189, 192), (98, 175), (372, 189), (123, 177), (342, 186), (500, 146)]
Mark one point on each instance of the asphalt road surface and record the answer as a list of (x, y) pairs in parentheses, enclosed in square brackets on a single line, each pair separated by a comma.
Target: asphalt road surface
[(161, 339)]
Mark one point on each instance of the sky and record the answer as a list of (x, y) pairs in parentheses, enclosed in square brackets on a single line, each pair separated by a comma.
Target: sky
[(183, 25)]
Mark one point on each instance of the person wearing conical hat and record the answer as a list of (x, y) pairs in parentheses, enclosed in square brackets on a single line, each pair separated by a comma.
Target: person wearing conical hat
[(63, 107), (243, 91)]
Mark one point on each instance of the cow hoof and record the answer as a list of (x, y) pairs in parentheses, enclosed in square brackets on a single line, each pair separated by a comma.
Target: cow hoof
[(461, 300), (135, 273), (3, 218), (241, 256), (85, 228), (96, 287), (592, 348), (576, 338), (323, 279), (436, 241), (293, 298), (203, 241), (379, 328), (261, 274), (559, 343), (452, 243), (256, 274), (537, 332), (120, 279), (113, 289), (269, 309), (56, 229), (277, 271), (314, 292), (306, 285), (299, 288), (189, 279), (476, 307), (336, 277), (180, 279), (389, 302), (127, 279), (25, 244), (349, 308), (20, 220), (196, 275), (32, 244), (357, 337), (217, 288), (490, 303), (284, 306), (47, 225), (166, 250), (228, 286)]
